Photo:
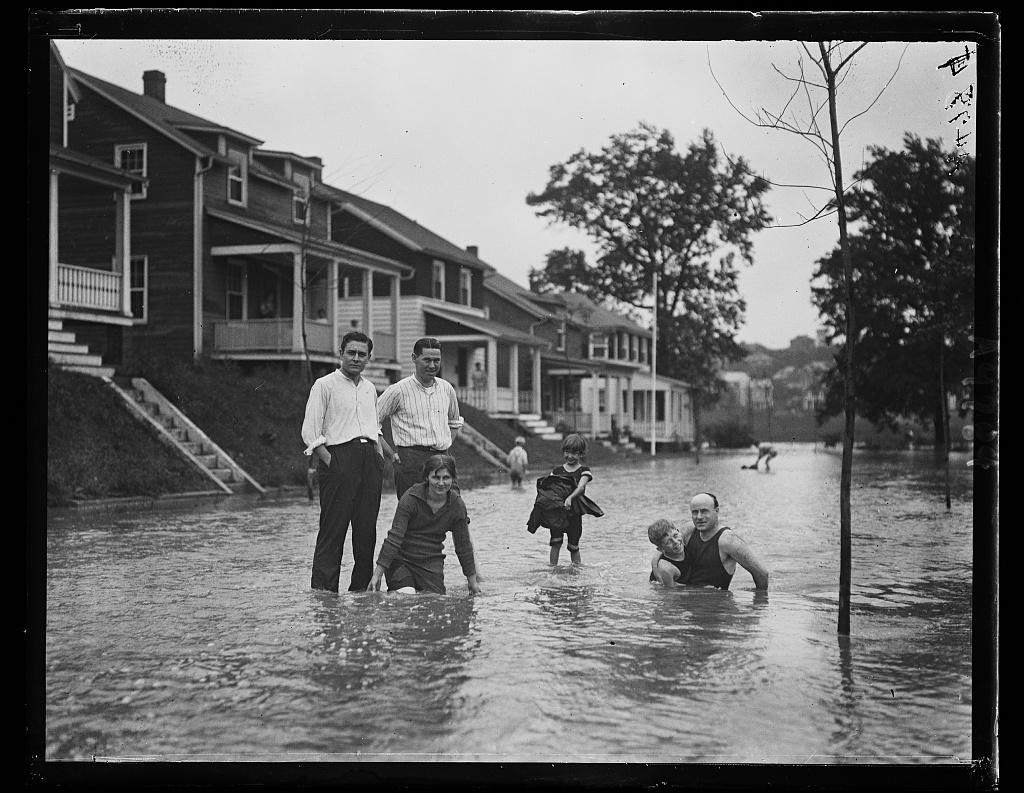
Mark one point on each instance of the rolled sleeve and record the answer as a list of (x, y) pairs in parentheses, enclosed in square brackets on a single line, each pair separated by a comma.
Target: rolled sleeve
[(313, 421)]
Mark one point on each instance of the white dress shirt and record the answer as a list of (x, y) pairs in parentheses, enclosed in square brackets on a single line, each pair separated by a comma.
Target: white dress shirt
[(339, 410), (420, 415)]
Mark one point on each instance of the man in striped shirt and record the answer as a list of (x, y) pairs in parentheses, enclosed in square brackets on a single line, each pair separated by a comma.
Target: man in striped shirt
[(424, 414)]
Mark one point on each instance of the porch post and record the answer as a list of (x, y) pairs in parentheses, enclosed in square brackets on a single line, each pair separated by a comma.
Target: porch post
[(514, 377), (536, 381), (628, 399), (368, 303), (492, 375), (395, 307), (54, 235), (123, 247), (332, 305), (595, 414), (298, 287)]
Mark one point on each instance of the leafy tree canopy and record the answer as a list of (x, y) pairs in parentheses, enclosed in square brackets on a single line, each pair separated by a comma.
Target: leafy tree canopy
[(649, 209), (913, 259)]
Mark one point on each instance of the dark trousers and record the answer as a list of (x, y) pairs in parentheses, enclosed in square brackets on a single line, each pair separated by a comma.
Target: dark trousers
[(410, 472), (349, 493)]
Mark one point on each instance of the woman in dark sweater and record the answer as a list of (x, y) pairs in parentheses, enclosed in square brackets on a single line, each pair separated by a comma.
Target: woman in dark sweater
[(412, 556)]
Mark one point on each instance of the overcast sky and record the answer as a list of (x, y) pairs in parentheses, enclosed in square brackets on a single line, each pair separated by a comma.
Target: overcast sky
[(455, 134)]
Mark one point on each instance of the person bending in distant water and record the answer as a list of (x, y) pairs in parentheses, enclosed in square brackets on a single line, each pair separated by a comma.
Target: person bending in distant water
[(768, 452), (411, 557), (709, 555)]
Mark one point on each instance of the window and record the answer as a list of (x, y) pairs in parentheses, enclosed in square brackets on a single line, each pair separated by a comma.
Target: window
[(300, 202), (132, 158), (236, 290), (238, 177), (466, 286), (300, 208), (560, 345), (633, 354), (598, 345), (69, 112), (138, 287), (437, 290)]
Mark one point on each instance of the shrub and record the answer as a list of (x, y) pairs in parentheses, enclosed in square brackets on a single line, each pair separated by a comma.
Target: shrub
[(731, 434)]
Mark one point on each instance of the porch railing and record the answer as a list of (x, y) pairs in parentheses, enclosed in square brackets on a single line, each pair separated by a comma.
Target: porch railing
[(479, 398), (384, 346), (268, 335), (86, 287)]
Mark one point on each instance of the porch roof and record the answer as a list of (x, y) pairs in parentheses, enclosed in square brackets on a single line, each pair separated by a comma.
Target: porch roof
[(86, 167), (487, 327), (319, 247)]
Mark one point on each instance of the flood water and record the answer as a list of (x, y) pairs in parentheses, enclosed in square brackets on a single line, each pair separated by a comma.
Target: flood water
[(194, 635)]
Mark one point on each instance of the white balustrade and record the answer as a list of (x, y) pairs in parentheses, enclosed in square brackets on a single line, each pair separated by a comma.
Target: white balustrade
[(87, 287)]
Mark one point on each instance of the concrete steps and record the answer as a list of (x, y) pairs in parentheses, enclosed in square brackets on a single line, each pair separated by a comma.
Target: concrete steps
[(62, 349), (177, 430), (537, 426)]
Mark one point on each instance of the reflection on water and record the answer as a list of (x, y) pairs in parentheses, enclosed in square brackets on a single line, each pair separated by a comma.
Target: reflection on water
[(195, 636)]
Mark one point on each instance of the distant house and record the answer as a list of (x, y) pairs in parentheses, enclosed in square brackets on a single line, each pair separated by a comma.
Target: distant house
[(442, 297), (595, 373), (231, 250), (744, 391)]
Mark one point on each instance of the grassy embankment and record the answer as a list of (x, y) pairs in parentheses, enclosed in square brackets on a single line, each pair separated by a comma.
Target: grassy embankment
[(96, 449)]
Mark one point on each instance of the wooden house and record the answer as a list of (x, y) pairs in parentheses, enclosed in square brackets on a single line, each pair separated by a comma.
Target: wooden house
[(490, 362), (595, 373), (92, 284), (230, 250)]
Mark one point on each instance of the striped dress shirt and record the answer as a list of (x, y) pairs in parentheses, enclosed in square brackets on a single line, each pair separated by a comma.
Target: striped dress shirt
[(420, 416)]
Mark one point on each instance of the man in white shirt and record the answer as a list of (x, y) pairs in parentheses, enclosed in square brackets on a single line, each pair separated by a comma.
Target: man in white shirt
[(341, 429), (424, 413)]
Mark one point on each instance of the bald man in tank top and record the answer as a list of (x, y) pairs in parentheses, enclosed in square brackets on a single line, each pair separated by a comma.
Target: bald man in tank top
[(711, 553)]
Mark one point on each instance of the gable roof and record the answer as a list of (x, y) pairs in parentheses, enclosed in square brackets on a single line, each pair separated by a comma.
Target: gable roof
[(515, 294), (169, 120), (404, 230)]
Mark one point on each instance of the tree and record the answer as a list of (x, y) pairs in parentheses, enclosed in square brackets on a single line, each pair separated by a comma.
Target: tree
[(658, 216), (832, 63), (914, 302), (914, 271)]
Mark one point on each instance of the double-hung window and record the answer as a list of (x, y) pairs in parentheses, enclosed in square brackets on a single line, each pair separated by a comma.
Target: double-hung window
[(236, 290), (300, 198), (131, 157), (138, 287), (466, 286), (437, 288), (238, 178)]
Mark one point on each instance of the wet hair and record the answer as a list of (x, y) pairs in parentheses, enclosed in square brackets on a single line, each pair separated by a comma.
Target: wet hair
[(426, 343), (714, 498), (356, 335), (575, 443), (659, 530), (438, 461)]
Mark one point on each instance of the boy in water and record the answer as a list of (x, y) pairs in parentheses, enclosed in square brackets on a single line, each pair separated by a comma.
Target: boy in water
[(669, 564), (517, 462)]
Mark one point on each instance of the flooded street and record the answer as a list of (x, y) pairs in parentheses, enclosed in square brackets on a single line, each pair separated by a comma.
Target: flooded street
[(195, 636)]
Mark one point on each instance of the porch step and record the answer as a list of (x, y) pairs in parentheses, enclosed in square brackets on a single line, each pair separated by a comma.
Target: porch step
[(538, 427), (63, 351), (95, 371)]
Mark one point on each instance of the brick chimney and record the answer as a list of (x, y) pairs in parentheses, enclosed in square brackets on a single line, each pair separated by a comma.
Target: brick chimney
[(153, 83), (473, 250)]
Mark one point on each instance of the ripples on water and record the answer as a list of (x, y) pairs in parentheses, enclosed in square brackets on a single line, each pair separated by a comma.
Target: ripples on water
[(195, 636)]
